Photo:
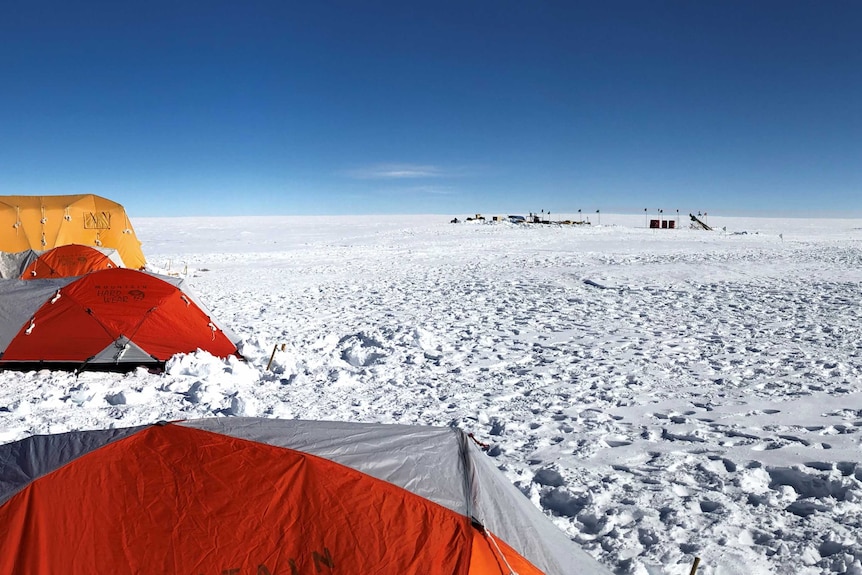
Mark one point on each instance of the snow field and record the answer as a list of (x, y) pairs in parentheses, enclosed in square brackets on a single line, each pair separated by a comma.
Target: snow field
[(661, 394)]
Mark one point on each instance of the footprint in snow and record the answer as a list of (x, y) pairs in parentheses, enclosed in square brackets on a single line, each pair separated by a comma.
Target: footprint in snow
[(360, 350)]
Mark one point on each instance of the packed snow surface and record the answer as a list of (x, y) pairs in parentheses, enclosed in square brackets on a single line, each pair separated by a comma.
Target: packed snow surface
[(661, 394)]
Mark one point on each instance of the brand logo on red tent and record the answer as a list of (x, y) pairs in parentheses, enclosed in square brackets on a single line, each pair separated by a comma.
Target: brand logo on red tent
[(119, 293)]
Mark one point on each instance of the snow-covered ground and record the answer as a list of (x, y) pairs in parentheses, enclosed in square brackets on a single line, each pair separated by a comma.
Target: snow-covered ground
[(661, 394)]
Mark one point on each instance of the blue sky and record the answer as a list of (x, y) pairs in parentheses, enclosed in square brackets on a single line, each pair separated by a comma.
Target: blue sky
[(282, 107)]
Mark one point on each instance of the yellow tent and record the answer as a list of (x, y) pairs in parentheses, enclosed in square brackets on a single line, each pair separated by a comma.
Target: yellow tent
[(44, 222)]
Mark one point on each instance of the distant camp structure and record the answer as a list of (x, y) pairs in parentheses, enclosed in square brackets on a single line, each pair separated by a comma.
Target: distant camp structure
[(108, 318), (543, 218), (696, 223), (662, 224), (43, 222), (59, 262)]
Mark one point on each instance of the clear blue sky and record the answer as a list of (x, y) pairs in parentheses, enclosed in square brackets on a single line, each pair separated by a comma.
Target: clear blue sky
[(317, 107)]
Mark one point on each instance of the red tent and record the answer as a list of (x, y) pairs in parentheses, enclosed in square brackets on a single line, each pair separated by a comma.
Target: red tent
[(245, 496), (63, 261), (71, 260), (114, 316)]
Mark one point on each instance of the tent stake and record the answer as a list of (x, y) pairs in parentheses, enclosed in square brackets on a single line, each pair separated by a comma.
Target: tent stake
[(272, 357)]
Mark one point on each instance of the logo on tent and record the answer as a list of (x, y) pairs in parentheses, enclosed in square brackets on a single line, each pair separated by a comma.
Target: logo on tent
[(112, 296), (97, 220), (121, 293)]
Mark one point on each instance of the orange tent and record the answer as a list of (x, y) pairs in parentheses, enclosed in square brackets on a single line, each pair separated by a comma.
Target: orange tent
[(62, 261), (44, 222), (109, 317), (69, 261), (245, 496)]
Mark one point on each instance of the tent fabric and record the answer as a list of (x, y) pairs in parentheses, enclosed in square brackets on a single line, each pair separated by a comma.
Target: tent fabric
[(24, 461), (251, 495), (44, 222), (71, 260), (62, 261), (19, 300), (112, 316), (12, 265), (439, 463)]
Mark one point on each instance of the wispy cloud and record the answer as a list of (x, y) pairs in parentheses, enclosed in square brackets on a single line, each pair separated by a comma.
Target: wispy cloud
[(396, 172), (426, 190)]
